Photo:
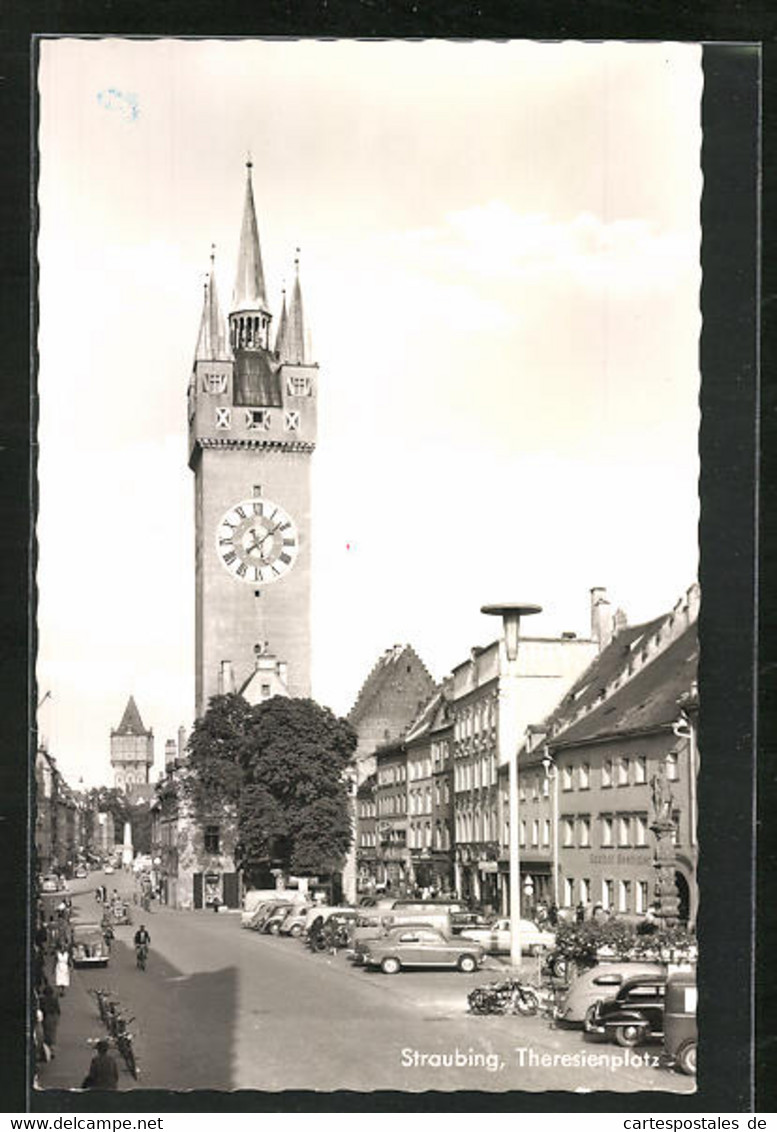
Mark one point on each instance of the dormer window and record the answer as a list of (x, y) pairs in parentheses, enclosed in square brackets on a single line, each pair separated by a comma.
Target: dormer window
[(291, 420), (223, 418), (258, 418), (298, 386)]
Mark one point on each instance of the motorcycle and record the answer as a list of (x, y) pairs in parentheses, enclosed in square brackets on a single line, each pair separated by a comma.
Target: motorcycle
[(507, 997)]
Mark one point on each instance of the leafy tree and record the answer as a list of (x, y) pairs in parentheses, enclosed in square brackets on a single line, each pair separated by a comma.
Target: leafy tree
[(215, 747), (109, 800), (281, 766)]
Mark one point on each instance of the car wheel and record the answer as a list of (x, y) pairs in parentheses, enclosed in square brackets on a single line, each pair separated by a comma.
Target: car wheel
[(526, 1003), (588, 1020), (686, 1058), (467, 964), (629, 1035), (296, 931), (273, 928), (390, 965)]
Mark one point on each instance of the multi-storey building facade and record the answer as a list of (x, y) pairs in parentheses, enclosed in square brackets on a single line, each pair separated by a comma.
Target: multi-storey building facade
[(429, 796), (366, 834), (491, 707), (393, 858), (595, 775)]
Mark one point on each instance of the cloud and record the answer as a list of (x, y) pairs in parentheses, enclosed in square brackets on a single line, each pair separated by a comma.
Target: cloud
[(494, 241)]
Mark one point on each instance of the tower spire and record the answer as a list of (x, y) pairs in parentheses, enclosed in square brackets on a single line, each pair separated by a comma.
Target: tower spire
[(249, 294), (211, 342), (294, 346), (280, 337)]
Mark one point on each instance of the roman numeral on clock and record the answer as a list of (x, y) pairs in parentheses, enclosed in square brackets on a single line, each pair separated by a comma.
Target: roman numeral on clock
[(230, 557), (242, 570)]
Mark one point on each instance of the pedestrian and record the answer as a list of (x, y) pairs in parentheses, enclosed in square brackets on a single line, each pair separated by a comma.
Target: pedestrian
[(62, 970), (553, 914), (103, 1070), (49, 1004), (580, 912)]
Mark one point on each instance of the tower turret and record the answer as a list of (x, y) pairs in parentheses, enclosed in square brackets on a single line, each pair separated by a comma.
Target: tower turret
[(211, 341), (294, 346), (249, 320)]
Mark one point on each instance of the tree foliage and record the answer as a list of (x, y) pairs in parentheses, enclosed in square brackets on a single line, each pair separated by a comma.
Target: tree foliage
[(584, 944), (282, 766)]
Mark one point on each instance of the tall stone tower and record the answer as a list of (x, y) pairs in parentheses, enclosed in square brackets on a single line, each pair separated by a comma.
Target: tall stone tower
[(252, 431), (132, 750)]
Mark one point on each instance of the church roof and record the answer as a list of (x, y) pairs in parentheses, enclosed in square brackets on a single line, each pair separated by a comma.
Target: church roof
[(211, 342), (249, 293), (131, 723)]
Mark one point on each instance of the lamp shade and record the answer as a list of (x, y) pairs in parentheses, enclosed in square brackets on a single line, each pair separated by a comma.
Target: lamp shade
[(511, 614)]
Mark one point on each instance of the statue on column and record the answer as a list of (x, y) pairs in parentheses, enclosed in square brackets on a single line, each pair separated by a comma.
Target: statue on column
[(664, 862)]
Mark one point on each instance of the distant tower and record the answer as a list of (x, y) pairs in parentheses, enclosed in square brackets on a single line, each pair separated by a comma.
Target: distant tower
[(252, 432), (132, 750)]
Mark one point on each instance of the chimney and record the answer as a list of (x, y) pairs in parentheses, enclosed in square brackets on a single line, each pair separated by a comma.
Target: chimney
[(601, 617), (171, 753), (226, 683)]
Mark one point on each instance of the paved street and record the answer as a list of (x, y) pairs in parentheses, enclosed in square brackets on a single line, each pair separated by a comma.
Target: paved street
[(220, 1007)]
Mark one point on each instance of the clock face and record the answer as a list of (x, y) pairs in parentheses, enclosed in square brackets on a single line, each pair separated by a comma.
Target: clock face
[(257, 541)]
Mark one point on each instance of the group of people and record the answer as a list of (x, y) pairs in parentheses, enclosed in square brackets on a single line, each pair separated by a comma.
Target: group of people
[(52, 959)]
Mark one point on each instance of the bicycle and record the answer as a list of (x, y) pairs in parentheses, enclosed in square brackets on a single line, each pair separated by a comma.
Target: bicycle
[(123, 1043), (141, 956)]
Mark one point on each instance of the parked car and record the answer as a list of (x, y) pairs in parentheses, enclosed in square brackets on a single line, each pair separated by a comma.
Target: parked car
[(109, 870), (421, 947), (51, 883), (89, 946), (464, 921), (601, 982), (635, 1015), (362, 937), (256, 919), (497, 937), (81, 873), (681, 1035), (323, 911), (294, 923), (275, 917)]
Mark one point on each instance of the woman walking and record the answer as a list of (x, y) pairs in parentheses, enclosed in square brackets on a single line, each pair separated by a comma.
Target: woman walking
[(62, 969), (49, 1004)]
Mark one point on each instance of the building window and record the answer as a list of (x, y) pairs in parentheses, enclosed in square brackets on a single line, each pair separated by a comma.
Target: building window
[(642, 896), (606, 832), (671, 767), (522, 791), (585, 832), (545, 785), (585, 891), (584, 776), (569, 892), (215, 383), (223, 418), (258, 418), (297, 386), (624, 892), (212, 839), (546, 832), (640, 769), (624, 831), (608, 889), (265, 691), (522, 834), (566, 778), (623, 772), (568, 831), (607, 773), (640, 829), (535, 832)]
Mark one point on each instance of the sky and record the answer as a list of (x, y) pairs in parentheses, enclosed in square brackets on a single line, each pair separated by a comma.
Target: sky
[(500, 270)]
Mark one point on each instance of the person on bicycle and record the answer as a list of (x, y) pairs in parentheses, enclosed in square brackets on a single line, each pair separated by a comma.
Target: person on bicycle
[(142, 941)]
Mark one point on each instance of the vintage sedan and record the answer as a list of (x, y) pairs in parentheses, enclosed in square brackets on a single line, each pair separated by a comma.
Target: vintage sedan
[(421, 947), (635, 1015), (600, 983), (89, 946), (496, 938)]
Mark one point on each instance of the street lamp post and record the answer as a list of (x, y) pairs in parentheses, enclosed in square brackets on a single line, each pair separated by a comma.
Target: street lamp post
[(551, 773), (511, 620)]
